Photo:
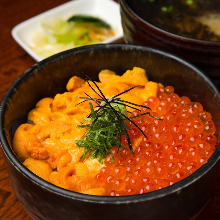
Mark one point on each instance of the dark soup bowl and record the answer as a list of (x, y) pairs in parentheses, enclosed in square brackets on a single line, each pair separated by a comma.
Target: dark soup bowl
[(43, 200), (184, 28)]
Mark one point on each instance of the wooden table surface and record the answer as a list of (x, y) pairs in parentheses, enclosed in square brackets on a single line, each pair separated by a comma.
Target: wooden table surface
[(13, 62)]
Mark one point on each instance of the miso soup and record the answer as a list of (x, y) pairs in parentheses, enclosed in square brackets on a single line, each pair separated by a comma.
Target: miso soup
[(198, 19)]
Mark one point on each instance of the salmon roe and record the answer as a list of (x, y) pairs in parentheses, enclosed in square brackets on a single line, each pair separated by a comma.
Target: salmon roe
[(176, 146)]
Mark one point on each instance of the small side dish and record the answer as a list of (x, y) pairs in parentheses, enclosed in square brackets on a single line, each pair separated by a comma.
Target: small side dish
[(60, 34), (49, 33), (121, 136)]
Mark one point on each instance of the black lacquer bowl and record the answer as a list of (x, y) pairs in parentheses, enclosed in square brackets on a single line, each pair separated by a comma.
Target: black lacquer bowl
[(45, 201), (202, 53)]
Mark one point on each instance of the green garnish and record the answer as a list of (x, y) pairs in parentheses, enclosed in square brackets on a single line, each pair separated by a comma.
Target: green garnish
[(147, 0), (189, 2), (88, 19), (102, 133), (177, 15), (167, 9), (107, 123)]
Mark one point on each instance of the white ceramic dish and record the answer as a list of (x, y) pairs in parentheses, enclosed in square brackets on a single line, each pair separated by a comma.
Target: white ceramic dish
[(107, 10)]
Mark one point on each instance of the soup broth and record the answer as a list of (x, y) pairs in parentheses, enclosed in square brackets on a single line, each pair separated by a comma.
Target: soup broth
[(198, 19)]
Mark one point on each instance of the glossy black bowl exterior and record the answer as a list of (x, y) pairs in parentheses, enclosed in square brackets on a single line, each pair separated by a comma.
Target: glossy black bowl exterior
[(203, 54), (43, 200)]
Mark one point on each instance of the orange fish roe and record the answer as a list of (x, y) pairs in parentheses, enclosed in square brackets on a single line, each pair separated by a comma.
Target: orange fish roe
[(176, 146)]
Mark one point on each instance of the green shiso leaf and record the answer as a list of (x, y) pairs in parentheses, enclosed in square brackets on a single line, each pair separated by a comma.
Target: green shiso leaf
[(101, 134)]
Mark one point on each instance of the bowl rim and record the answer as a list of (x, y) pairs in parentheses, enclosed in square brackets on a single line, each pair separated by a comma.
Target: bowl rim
[(175, 188), (164, 32)]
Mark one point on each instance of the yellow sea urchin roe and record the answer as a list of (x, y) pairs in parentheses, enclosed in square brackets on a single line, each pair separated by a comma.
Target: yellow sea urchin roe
[(50, 141), (23, 138), (39, 167)]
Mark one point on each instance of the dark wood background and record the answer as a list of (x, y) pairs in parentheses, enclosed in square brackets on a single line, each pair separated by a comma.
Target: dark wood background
[(13, 62)]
